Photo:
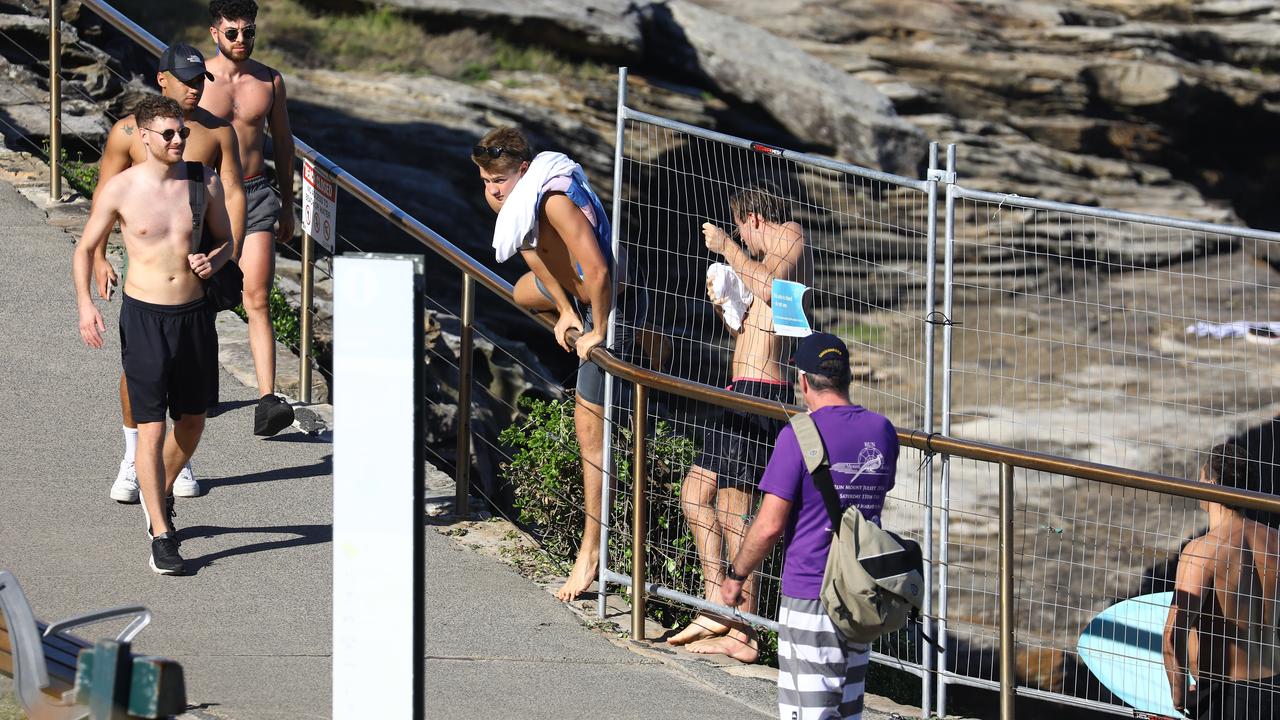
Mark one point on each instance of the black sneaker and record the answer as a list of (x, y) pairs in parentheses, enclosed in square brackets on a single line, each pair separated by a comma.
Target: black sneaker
[(272, 416), (169, 513), (165, 559)]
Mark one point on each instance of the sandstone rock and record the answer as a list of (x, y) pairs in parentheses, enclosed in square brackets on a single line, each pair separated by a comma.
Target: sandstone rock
[(815, 101), (1134, 85), (607, 29)]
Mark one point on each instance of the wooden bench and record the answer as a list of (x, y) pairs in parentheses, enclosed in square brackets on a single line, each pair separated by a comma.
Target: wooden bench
[(44, 660)]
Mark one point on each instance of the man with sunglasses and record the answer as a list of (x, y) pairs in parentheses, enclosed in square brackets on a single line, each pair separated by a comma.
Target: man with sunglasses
[(251, 97), (168, 343), (181, 76), (548, 213)]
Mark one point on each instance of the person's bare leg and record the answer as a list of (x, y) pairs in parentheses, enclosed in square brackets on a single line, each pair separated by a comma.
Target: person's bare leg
[(258, 262), (733, 507), (588, 421), (697, 495), (179, 446), (527, 295), (126, 410), (151, 476)]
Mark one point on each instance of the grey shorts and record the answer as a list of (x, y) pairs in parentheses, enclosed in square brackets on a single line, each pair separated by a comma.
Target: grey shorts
[(633, 309), (261, 206)]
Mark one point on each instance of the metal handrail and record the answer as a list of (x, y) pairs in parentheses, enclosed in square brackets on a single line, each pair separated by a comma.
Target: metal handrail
[(930, 443)]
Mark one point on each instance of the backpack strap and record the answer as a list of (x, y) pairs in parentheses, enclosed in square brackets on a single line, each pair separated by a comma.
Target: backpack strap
[(198, 197), (814, 451)]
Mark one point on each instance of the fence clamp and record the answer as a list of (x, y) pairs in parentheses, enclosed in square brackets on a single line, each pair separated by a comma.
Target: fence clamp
[(942, 176)]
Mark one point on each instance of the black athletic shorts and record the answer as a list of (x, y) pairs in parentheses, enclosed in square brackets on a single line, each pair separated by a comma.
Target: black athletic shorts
[(738, 444), (170, 358), (1235, 699)]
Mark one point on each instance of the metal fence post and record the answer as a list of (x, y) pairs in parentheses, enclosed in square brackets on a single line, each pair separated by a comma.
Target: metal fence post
[(1007, 677), (639, 509), (308, 292), (606, 455), (466, 344), (944, 530), (55, 100), (928, 655)]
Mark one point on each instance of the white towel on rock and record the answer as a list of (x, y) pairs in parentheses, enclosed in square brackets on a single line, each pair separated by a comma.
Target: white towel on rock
[(517, 226), (727, 290)]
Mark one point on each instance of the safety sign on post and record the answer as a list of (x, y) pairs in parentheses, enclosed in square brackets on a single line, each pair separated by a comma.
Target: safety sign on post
[(319, 204)]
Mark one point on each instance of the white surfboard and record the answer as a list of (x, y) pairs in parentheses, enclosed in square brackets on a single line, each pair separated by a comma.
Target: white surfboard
[(1122, 648)]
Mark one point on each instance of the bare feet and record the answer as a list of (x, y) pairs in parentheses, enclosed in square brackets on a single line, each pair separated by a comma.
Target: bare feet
[(738, 644), (700, 628), (580, 578)]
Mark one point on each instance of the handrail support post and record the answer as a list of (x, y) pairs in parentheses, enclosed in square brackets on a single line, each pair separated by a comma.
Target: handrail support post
[(55, 100), (1007, 676), (639, 509), (308, 300), (466, 351)]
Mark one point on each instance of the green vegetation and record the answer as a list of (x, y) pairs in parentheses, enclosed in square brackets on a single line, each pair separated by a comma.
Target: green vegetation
[(296, 35), (284, 319), (546, 474), (83, 176), (865, 334)]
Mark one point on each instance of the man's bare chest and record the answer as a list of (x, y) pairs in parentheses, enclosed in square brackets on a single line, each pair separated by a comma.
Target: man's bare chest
[(246, 101)]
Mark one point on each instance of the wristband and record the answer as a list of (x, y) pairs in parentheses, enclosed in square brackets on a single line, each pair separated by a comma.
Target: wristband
[(732, 575)]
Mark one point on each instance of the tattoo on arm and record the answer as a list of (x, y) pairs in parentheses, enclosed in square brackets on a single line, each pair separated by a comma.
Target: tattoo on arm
[(128, 129)]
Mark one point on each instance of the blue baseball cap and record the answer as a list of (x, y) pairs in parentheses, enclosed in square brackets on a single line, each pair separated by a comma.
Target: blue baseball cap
[(818, 348)]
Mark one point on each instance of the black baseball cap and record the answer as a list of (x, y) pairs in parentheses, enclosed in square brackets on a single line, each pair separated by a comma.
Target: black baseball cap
[(817, 348), (183, 62)]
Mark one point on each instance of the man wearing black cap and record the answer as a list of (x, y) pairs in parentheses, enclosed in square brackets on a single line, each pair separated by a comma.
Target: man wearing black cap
[(251, 97), (817, 668), (181, 76)]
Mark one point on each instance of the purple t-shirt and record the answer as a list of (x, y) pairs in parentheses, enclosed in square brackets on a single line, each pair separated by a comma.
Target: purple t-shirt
[(862, 448)]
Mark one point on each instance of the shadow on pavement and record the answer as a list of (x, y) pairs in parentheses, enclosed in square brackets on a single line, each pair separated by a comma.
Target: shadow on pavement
[(324, 467), (306, 535)]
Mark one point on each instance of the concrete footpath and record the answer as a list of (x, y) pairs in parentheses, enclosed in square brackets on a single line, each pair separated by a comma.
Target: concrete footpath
[(251, 625)]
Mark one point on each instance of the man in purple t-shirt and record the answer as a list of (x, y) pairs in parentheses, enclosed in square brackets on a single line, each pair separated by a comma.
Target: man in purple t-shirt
[(817, 668)]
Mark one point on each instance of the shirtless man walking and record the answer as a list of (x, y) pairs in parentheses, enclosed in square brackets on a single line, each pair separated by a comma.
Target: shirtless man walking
[(1223, 629), (251, 97), (168, 344), (181, 76), (717, 492)]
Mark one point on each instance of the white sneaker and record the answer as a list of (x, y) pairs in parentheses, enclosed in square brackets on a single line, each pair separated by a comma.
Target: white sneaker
[(125, 488), (185, 485)]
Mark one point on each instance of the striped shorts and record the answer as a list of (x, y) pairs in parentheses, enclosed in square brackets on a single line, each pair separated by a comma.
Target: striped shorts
[(820, 674)]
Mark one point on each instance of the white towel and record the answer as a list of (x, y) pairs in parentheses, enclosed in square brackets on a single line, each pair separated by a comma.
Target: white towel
[(1231, 329), (517, 226), (727, 290)]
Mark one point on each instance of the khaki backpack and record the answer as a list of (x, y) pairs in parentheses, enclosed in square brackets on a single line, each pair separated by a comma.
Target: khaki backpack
[(874, 580)]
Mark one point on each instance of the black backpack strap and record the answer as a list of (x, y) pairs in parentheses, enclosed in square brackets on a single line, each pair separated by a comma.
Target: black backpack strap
[(813, 449), (198, 198)]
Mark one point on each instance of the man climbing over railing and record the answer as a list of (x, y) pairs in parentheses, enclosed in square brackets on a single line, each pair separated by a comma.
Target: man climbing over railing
[(719, 488), (168, 343), (548, 213), (1223, 628), (181, 76), (251, 97)]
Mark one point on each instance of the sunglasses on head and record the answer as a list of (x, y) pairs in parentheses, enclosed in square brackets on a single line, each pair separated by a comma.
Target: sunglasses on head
[(168, 134), (496, 152), (249, 32)]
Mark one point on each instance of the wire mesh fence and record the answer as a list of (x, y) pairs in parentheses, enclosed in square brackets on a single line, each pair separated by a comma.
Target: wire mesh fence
[(693, 204)]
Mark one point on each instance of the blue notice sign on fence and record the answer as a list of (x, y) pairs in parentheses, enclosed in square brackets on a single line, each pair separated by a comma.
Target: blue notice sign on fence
[(788, 309)]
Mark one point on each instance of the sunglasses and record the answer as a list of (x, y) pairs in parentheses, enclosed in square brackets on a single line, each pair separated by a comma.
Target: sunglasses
[(479, 151), (168, 134), (232, 33)]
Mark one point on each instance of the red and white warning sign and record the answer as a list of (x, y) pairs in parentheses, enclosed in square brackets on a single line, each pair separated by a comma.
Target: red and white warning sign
[(319, 204)]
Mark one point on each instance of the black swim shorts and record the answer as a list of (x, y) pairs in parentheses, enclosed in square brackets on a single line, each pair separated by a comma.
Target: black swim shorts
[(261, 206), (737, 445), (170, 358)]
